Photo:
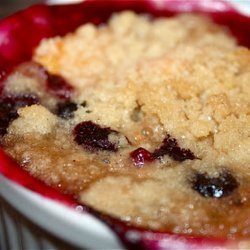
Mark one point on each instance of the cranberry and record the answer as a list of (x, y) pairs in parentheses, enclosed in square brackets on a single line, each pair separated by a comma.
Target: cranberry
[(65, 109), (9, 104), (58, 86), (170, 147), (94, 137), (215, 187), (140, 156)]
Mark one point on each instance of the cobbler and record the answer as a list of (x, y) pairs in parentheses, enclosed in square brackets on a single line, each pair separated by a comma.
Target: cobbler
[(146, 120)]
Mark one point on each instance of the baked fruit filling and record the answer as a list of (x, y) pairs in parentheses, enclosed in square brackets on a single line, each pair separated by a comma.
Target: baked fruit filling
[(147, 120)]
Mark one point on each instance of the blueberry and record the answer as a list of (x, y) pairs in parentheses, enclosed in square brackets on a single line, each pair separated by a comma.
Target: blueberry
[(214, 187), (94, 137), (66, 109), (9, 104), (170, 147), (58, 86)]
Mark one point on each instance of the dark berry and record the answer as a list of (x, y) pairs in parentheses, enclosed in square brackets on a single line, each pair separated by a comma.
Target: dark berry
[(140, 156), (58, 86), (66, 109), (170, 147), (215, 187), (84, 104), (94, 137), (9, 104)]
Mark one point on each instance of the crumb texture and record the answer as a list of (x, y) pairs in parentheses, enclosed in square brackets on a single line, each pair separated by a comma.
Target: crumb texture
[(33, 120)]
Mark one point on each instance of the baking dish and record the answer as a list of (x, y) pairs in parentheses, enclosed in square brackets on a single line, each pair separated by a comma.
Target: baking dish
[(49, 21)]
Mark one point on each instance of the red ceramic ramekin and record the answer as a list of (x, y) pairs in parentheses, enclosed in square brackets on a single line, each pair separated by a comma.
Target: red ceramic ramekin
[(35, 216)]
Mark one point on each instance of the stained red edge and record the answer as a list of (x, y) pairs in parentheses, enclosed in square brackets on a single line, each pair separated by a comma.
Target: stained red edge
[(10, 169), (21, 33)]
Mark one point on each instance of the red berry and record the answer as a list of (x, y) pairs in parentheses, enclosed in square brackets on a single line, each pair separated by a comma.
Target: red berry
[(140, 156)]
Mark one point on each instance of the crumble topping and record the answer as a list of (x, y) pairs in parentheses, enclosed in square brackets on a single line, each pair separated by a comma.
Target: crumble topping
[(146, 120), (35, 119)]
